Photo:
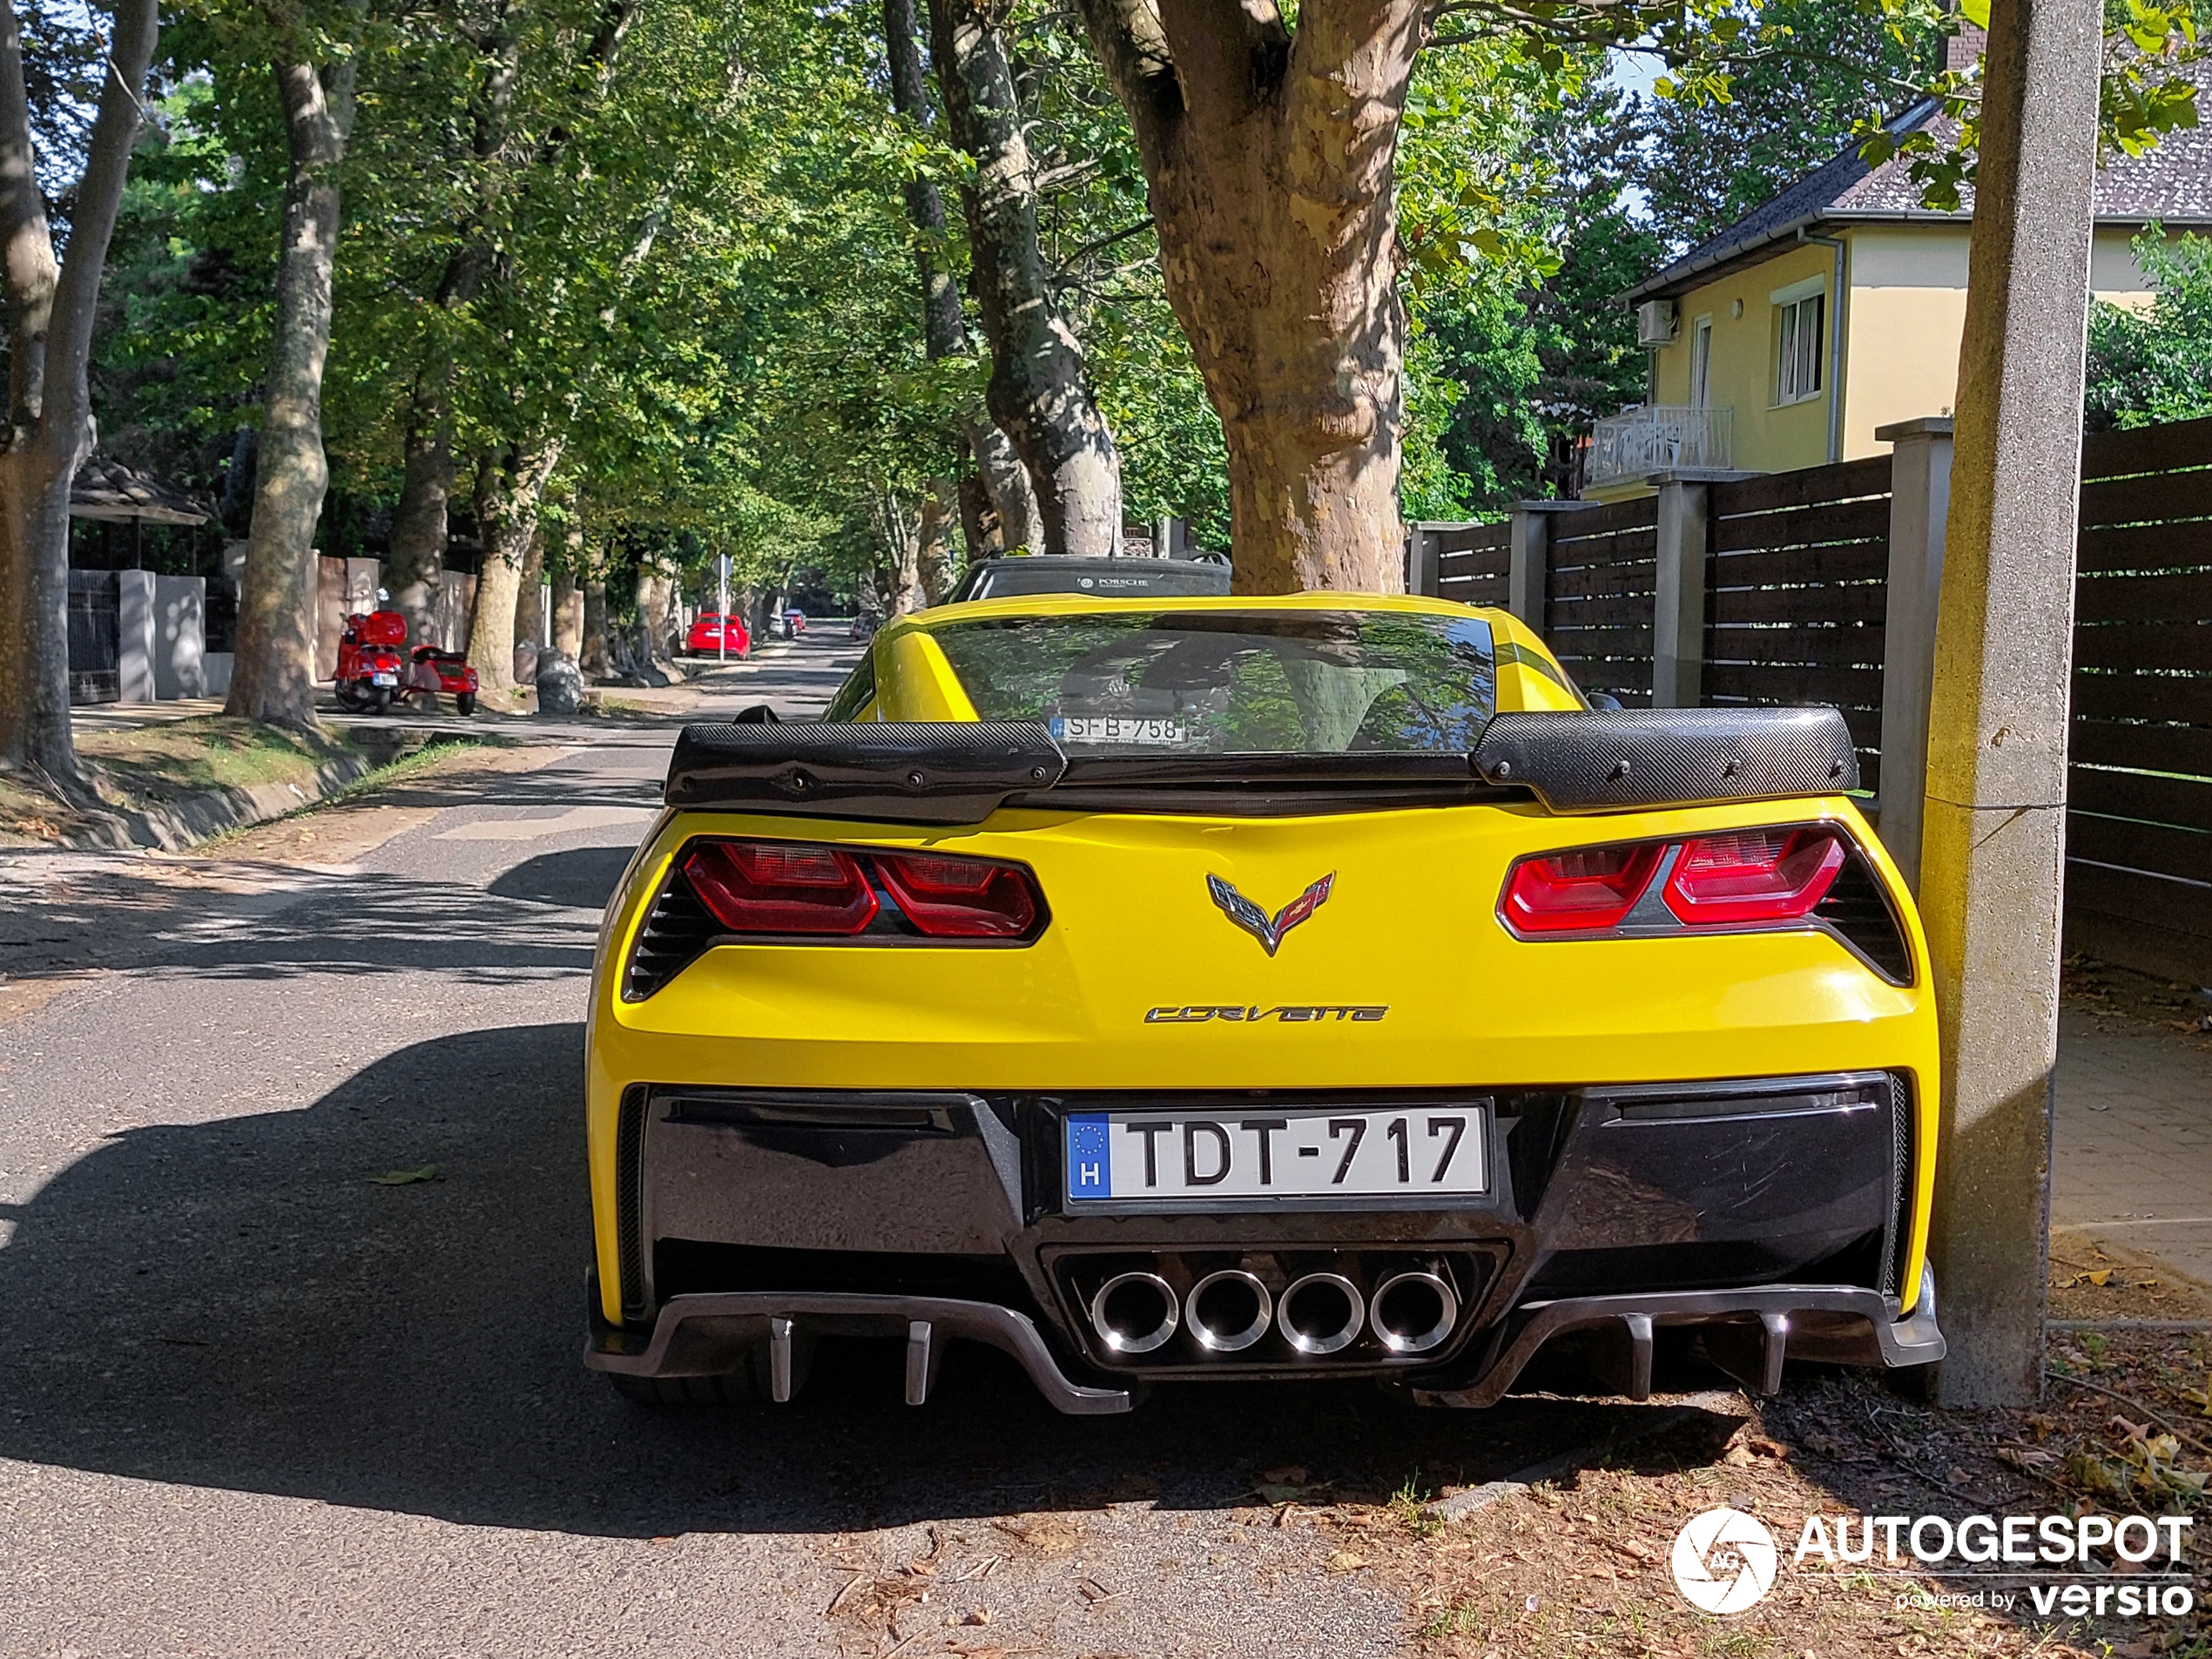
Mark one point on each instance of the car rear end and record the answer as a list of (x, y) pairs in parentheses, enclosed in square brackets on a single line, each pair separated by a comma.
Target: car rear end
[(1389, 1014)]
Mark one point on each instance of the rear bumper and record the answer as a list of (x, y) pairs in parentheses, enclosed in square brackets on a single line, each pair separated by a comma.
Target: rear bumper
[(1759, 1217), (1747, 1333)]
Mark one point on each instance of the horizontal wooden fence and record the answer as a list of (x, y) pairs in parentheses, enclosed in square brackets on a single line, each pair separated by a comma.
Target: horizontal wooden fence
[(1796, 581), (1796, 570), (1471, 562), (2139, 787), (1601, 578)]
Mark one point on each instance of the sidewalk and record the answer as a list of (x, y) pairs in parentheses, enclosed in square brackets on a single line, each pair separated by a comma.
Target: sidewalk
[(2132, 1157)]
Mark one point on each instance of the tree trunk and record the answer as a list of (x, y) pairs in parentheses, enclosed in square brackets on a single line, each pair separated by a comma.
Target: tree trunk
[(510, 490), (592, 654), (49, 427), (272, 677), (1005, 481), (529, 603), (1269, 157), (568, 572), (415, 560), (1038, 392), (936, 567)]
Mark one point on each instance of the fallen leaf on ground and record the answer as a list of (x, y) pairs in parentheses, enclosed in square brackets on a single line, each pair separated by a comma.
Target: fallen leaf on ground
[(1344, 1561), (406, 1177)]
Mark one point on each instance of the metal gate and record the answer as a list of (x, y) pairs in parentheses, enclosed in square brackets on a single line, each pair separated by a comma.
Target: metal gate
[(95, 639)]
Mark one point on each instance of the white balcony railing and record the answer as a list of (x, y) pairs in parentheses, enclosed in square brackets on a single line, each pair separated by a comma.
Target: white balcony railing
[(1658, 438)]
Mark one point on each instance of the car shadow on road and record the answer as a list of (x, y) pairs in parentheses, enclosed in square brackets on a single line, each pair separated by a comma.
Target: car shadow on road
[(580, 878), (242, 1304)]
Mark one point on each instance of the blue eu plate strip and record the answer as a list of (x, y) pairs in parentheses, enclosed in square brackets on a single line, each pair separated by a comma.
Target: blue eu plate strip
[(1090, 1173)]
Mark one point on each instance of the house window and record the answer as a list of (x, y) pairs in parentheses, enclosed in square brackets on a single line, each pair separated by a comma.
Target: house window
[(1796, 344), (1701, 362)]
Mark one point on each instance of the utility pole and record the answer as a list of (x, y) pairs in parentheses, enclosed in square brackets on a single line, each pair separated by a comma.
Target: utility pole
[(1992, 846)]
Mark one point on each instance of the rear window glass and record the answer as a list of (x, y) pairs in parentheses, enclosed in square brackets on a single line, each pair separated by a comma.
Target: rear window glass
[(1227, 682)]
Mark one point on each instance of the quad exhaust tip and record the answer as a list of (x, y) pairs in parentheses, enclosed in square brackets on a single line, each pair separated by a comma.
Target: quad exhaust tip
[(1228, 1311), (1135, 1313), (1322, 1313), (1413, 1312)]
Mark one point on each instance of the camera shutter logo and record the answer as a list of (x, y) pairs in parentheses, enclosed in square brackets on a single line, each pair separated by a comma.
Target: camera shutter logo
[(1723, 1560)]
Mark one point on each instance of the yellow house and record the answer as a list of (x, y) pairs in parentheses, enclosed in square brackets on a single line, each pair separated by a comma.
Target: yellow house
[(1837, 307)]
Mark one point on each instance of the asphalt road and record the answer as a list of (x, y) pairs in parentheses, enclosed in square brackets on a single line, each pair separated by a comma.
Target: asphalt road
[(252, 1401)]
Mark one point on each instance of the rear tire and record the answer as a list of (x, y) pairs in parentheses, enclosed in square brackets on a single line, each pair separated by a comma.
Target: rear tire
[(689, 1394), (464, 702), (379, 700)]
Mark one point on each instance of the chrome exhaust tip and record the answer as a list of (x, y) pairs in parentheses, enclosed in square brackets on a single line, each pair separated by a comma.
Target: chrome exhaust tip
[(1228, 1311), (1413, 1312), (1135, 1313), (1321, 1314)]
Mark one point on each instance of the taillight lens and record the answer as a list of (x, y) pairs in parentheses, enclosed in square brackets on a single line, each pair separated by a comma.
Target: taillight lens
[(959, 897), (1754, 875), (774, 887), (1589, 889)]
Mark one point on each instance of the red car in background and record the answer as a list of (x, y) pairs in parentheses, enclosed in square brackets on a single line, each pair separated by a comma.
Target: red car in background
[(715, 635)]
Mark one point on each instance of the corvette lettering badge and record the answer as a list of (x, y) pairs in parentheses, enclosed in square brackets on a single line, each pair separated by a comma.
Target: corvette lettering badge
[(1255, 921)]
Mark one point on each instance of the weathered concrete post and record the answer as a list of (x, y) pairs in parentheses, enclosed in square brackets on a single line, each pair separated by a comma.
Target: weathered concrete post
[(1678, 609), (1528, 556), (1421, 570), (1991, 853), (1919, 506)]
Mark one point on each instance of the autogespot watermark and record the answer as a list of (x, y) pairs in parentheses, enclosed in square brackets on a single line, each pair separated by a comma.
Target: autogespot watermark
[(1725, 1562)]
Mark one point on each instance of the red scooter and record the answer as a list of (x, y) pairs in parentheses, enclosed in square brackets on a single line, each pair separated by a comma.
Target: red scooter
[(370, 677)]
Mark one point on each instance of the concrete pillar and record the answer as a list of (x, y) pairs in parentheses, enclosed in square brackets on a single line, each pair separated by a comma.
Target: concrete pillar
[(1991, 853), (1528, 558), (1920, 504), (1678, 610), (135, 636), (1422, 573), (179, 646)]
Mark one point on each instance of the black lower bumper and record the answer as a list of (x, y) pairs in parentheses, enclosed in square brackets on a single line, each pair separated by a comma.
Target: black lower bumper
[(1747, 1333), (1758, 1218)]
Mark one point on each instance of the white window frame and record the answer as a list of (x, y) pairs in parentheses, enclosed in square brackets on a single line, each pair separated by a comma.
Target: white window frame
[(1700, 363), (1800, 372)]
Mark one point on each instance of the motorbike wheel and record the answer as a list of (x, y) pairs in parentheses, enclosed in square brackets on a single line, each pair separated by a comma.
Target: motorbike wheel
[(379, 700), (464, 702), (348, 697)]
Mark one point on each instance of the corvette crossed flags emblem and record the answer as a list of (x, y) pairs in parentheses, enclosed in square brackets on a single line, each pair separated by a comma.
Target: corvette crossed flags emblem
[(1255, 921)]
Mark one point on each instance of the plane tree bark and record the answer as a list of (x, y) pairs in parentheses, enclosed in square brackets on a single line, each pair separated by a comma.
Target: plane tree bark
[(1004, 479), (48, 431), (272, 679), (1269, 156), (1039, 394)]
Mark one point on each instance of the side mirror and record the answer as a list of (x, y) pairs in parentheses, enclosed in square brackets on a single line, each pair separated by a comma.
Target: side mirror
[(1604, 701), (759, 714)]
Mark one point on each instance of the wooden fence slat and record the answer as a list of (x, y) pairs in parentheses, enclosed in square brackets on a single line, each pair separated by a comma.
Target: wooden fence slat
[(2153, 847), (1642, 513), (1602, 582), (1852, 521), (2133, 794), (1475, 538), (1622, 610), (2139, 646), (2144, 546), (2150, 500), (1762, 682), (1603, 642), (2157, 448), (1847, 562), (2167, 597), (2152, 748), (1629, 547), (1795, 647), (2142, 697), (1870, 476), (2179, 905), (1835, 602)]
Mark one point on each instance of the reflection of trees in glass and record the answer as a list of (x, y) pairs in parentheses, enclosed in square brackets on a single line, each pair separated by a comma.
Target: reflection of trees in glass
[(1316, 681)]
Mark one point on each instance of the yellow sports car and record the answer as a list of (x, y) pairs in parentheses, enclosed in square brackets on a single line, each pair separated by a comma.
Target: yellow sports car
[(1171, 989)]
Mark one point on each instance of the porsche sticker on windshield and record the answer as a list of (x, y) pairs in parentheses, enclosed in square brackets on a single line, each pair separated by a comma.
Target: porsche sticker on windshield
[(1115, 728)]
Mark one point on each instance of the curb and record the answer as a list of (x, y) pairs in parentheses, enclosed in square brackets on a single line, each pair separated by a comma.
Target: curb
[(177, 825)]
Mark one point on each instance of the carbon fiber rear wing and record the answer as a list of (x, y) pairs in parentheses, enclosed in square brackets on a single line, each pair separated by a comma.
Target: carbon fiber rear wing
[(961, 772)]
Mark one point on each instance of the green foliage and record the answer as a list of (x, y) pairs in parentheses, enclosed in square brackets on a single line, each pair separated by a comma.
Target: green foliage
[(2153, 366)]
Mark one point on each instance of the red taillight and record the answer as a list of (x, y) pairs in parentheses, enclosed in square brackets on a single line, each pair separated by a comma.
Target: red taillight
[(774, 887), (1754, 875), (959, 897), (1591, 888)]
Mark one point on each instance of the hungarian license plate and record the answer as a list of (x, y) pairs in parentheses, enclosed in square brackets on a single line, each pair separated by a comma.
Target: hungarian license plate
[(385, 679), (1435, 1150), (1107, 728)]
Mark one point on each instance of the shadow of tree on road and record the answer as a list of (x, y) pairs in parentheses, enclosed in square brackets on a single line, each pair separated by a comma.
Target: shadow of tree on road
[(236, 1304)]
